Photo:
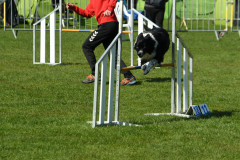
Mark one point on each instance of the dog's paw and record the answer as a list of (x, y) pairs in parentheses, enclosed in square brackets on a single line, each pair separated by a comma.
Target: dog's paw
[(149, 66), (147, 69), (144, 66)]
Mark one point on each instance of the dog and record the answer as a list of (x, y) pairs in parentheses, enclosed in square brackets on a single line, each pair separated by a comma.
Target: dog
[(151, 47)]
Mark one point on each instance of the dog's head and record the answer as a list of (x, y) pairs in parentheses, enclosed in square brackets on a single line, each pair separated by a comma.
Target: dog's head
[(145, 45), (152, 44)]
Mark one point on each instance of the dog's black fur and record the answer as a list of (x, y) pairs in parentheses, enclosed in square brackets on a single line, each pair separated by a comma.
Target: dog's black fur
[(152, 44)]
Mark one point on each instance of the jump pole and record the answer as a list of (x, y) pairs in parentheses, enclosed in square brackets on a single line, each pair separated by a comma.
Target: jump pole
[(231, 20), (78, 30), (4, 15), (139, 67), (173, 56)]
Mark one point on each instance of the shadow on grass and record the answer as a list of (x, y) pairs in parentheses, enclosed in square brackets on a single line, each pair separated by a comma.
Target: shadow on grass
[(218, 114), (158, 79), (150, 120), (65, 64), (138, 83)]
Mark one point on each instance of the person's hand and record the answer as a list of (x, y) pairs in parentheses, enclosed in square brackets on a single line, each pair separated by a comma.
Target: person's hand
[(69, 5), (107, 13)]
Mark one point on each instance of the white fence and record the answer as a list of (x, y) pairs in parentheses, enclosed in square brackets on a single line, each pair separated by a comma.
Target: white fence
[(192, 15)]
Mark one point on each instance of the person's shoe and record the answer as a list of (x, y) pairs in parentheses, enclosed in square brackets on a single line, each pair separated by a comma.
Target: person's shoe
[(128, 81), (90, 78)]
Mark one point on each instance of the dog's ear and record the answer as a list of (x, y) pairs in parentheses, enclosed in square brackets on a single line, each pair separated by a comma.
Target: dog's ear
[(140, 36), (138, 40)]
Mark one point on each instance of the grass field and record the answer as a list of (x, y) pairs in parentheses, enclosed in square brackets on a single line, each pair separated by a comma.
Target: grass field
[(44, 109)]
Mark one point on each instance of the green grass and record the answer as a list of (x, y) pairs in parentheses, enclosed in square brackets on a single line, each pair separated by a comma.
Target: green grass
[(44, 109)]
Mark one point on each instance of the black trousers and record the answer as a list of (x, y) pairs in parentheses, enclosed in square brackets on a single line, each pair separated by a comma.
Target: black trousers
[(156, 15), (105, 34)]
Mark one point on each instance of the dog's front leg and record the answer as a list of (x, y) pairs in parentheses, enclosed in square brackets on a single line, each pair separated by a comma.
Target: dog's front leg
[(149, 66)]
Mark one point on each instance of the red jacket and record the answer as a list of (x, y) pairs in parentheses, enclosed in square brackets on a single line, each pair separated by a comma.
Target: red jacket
[(97, 8)]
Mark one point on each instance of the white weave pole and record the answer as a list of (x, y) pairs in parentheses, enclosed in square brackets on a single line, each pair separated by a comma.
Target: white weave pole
[(103, 90), (119, 52), (191, 82), (131, 34), (52, 37), (179, 75), (111, 84), (185, 80), (173, 56), (43, 41), (60, 31), (140, 30)]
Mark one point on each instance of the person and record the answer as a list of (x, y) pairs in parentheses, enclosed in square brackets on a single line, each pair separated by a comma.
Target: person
[(154, 10), (104, 34)]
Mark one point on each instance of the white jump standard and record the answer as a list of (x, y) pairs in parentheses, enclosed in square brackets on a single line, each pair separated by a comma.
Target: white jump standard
[(101, 64), (52, 28)]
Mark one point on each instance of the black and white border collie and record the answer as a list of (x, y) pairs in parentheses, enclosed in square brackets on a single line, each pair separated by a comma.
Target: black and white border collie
[(151, 47)]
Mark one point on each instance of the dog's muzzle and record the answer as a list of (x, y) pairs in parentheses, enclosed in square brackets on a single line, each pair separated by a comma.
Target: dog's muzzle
[(140, 53)]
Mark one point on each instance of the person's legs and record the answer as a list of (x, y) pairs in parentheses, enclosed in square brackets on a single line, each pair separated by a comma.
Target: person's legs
[(88, 48), (150, 13), (160, 17), (99, 36), (95, 38), (156, 15), (113, 27), (104, 34)]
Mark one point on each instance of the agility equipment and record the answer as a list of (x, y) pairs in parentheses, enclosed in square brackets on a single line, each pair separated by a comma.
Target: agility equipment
[(52, 26), (139, 67), (198, 110), (4, 14), (42, 57), (100, 100), (187, 91), (78, 30), (119, 10), (100, 96)]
